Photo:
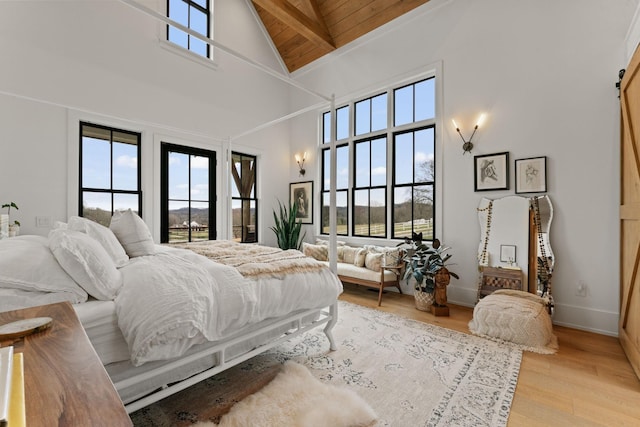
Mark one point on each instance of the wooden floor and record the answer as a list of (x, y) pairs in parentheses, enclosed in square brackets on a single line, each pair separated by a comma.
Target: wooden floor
[(589, 382)]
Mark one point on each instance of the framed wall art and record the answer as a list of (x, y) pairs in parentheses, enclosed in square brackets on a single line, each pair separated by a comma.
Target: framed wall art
[(508, 253), (531, 175), (491, 172), (302, 193)]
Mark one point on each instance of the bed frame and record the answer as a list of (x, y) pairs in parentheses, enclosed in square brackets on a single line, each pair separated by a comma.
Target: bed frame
[(327, 316)]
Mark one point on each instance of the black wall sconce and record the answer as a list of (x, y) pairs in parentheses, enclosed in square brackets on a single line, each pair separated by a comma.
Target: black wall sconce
[(467, 146), (300, 162)]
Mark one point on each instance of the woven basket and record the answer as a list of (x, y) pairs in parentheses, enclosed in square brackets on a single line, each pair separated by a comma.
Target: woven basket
[(424, 300)]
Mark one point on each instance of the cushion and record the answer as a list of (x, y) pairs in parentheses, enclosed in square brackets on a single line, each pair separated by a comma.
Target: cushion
[(391, 255), (349, 254), (515, 316), (103, 235), (319, 252), (360, 256), (326, 242), (373, 261), (26, 263), (350, 270), (133, 233), (84, 259)]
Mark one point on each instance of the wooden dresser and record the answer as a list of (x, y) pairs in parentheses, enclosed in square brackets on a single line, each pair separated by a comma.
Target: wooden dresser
[(494, 278), (65, 382)]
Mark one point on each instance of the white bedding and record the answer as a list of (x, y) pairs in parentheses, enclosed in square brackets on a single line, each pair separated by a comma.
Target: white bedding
[(99, 320)]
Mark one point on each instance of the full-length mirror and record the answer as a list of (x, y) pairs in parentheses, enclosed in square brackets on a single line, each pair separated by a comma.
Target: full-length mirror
[(515, 246)]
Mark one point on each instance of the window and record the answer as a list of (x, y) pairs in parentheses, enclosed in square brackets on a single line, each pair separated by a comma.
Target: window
[(244, 201), (195, 15), (109, 172), (187, 194), (398, 123)]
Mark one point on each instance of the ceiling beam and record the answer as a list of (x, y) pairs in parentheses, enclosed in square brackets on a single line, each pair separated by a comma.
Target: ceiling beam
[(288, 14)]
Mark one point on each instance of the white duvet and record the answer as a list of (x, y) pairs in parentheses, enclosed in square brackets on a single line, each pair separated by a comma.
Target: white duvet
[(175, 299)]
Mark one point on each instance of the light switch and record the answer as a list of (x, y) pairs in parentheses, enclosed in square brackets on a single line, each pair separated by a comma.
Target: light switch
[(43, 221)]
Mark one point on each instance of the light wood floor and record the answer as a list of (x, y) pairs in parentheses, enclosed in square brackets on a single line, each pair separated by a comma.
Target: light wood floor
[(589, 382)]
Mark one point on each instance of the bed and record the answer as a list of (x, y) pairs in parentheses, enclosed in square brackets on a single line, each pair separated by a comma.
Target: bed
[(162, 318)]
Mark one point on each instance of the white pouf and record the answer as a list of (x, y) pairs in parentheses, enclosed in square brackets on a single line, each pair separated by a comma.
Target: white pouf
[(515, 316)]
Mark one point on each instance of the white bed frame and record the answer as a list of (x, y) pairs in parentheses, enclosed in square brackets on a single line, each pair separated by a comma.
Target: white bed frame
[(328, 316)]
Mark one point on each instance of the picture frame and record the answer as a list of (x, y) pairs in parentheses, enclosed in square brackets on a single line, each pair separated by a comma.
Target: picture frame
[(531, 175), (491, 172), (303, 193), (508, 254)]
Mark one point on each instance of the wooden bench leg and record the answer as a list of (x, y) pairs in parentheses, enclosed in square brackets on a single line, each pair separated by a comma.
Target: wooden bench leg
[(380, 296)]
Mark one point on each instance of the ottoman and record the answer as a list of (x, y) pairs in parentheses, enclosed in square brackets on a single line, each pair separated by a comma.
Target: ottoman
[(515, 316)]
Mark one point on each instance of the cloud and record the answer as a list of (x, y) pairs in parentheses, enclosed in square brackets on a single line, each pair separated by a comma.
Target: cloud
[(199, 162), (127, 161), (381, 170), (423, 157)]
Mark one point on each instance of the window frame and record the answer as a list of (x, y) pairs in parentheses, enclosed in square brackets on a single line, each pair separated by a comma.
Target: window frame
[(249, 199), (355, 188), (165, 149), (326, 190), (207, 10), (435, 122), (110, 190)]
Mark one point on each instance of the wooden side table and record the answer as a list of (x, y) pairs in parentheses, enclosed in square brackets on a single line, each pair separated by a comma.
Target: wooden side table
[(65, 382), (494, 278)]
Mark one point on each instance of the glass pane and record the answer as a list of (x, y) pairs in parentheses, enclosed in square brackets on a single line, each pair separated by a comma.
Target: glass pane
[(202, 3), (402, 212), (403, 149), (424, 156), (326, 170), (425, 102), (236, 219), (178, 37), (96, 163), (379, 161), (403, 105), (342, 120), (178, 176), (198, 21), (361, 212), (97, 207), (197, 46), (122, 202), (342, 213), (199, 221), (363, 117), (179, 12), (423, 211), (125, 166), (326, 127), (363, 164), (249, 234), (200, 178), (377, 211), (342, 163), (379, 112), (178, 221)]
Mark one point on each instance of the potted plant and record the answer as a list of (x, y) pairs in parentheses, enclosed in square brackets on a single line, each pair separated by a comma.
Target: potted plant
[(14, 228), (427, 265), (287, 229)]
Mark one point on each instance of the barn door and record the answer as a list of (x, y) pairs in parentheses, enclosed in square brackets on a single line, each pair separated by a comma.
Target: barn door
[(629, 326)]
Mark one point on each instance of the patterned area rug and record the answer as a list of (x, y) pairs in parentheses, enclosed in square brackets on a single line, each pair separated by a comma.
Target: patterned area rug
[(411, 373)]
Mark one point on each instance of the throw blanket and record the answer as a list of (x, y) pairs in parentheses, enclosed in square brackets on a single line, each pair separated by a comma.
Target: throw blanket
[(254, 260)]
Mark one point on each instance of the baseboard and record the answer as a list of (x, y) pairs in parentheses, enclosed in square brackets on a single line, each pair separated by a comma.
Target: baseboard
[(587, 319)]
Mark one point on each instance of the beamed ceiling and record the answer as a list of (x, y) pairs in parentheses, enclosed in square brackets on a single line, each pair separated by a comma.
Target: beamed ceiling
[(305, 30)]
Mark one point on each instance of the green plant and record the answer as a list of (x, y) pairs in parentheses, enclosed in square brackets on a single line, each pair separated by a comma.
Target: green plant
[(423, 262), (287, 229), (9, 206)]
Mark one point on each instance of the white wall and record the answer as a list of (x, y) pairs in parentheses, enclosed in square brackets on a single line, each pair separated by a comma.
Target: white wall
[(544, 72), (102, 61)]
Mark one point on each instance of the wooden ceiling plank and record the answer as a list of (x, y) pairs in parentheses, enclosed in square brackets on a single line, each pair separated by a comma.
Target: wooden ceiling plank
[(287, 13)]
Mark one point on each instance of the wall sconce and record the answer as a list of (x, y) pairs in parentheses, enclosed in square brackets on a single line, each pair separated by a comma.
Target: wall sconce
[(301, 162), (467, 146)]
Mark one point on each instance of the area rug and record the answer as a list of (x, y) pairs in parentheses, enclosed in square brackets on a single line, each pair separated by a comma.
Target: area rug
[(411, 373), (297, 398)]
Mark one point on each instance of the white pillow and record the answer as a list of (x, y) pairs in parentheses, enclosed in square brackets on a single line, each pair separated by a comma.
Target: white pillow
[(103, 235), (26, 263), (84, 259), (133, 233)]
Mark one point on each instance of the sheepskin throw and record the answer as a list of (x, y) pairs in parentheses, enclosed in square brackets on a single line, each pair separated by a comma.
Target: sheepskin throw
[(297, 398), (515, 316)]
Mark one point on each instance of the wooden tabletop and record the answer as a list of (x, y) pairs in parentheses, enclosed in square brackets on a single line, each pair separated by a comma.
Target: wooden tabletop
[(65, 382)]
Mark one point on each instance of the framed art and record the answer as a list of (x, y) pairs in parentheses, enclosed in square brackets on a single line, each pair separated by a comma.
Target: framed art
[(491, 172), (302, 193), (508, 253), (531, 175)]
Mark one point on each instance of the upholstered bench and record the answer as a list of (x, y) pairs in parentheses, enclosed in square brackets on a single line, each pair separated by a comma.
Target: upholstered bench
[(515, 316), (376, 267)]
